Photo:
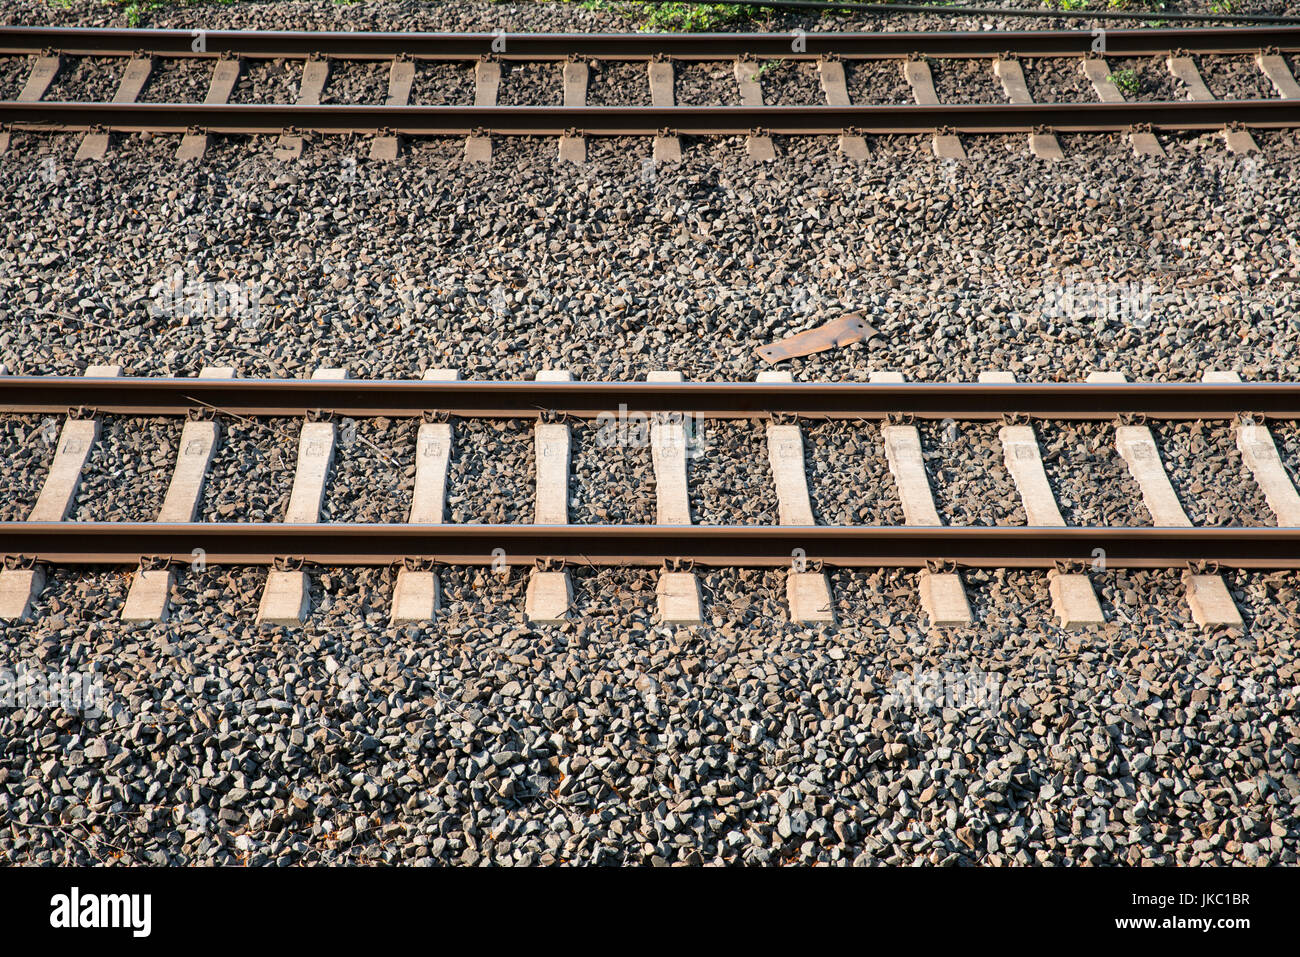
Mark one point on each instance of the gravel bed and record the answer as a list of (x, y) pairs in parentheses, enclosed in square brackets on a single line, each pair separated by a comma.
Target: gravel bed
[(178, 81), (356, 82), (849, 482), (492, 478), (86, 78), (252, 471), (14, 71), (615, 83), (269, 81), (531, 84), (27, 447), (1208, 474), (731, 482), (1057, 80), (490, 742), (373, 473), (443, 84), (790, 83), (1091, 482), (706, 83), (701, 263), (876, 81), (968, 477), (1152, 76), (129, 469), (1235, 78), (612, 480), (966, 81)]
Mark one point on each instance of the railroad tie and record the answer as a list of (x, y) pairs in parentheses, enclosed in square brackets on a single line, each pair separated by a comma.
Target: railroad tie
[(1259, 452), (917, 73), (487, 83), (667, 147), (1144, 142), (550, 593), (573, 146), (1184, 70), (758, 146), (19, 587), (1073, 599), (44, 70), (225, 74), (808, 593), (831, 74), (417, 595), (1207, 595), (943, 598), (401, 74), (315, 73), (149, 596), (95, 143), (286, 600), (1279, 74), (678, 591), (1044, 145)]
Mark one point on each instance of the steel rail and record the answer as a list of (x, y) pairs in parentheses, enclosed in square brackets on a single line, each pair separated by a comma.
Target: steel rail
[(591, 400), (258, 44), (648, 120), (100, 543)]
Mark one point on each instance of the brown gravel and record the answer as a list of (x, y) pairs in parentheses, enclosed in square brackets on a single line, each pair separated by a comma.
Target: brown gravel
[(177, 81), (86, 78), (706, 83), (1235, 78), (356, 82), (1092, 483), (876, 81), (1057, 80), (611, 481), (252, 471), (1208, 474), (616, 83), (790, 83), (492, 480), (1154, 81), (849, 482), (27, 447), (373, 471), (14, 71), (442, 84), (531, 84), (966, 81), (968, 478), (731, 482), (270, 81)]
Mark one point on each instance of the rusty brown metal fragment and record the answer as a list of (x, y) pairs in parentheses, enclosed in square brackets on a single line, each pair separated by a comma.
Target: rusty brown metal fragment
[(839, 332)]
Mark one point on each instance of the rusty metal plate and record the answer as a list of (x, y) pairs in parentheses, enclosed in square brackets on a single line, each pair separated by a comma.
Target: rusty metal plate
[(840, 332)]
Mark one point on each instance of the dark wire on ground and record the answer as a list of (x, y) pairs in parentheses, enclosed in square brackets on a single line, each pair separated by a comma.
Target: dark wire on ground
[(1045, 13)]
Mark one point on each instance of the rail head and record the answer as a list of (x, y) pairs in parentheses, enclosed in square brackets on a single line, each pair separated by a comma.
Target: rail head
[(267, 44), (116, 543), (592, 400)]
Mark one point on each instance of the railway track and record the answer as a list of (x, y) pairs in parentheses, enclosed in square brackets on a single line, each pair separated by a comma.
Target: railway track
[(663, 118), (551, 543)]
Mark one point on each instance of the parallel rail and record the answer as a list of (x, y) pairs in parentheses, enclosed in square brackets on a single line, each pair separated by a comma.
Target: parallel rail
[(112, 543), (649, 120), (636, 46), (589, 400)]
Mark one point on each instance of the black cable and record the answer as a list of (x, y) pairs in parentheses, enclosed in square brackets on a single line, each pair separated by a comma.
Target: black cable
[(1046, 13)]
